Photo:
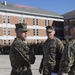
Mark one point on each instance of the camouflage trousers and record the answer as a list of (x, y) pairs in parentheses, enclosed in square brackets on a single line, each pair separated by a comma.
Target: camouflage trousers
[(28, 72), (71, 73), (46, 71)]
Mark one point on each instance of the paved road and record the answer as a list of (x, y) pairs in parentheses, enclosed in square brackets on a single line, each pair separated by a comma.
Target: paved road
[(5, 67)]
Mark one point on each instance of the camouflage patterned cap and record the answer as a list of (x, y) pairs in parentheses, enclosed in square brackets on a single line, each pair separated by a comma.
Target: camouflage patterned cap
[(21, 26), (50, 28)]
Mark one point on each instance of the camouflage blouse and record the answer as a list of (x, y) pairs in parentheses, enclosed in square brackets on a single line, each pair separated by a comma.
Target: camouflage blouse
[(67, 64), (19, 57), (52, 51)]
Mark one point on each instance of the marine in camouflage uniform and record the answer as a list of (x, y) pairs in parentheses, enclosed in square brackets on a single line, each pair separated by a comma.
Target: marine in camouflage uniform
[(19, 52), (67, 64), (52, 51)]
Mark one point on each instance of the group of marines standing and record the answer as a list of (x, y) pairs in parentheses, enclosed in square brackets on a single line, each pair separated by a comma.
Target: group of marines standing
[(57, 59)]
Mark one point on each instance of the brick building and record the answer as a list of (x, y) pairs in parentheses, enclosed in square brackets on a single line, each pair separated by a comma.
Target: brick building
[(69, 19), (37, 19)]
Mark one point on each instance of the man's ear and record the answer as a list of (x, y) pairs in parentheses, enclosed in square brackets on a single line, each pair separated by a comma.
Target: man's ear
[(54, 31)]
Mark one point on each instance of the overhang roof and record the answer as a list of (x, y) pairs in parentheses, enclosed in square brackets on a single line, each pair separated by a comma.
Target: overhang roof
[(28, 10), (69, 15)]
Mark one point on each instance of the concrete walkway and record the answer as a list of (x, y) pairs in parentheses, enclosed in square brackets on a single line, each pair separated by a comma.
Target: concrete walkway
[(5, 67)]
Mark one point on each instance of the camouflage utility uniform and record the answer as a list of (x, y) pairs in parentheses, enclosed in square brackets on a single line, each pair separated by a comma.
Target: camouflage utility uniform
[(19, 58), (52, 51), (67, 64)]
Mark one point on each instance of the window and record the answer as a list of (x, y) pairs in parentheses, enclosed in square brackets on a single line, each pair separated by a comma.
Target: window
[(61, 24), (55, 24), (37, 31), (34, 32), (8, 18), (36, 21), (4, 42), (8, 31), (45, 22), (3, 19), (37, 40), (8, 41), (33, 21), (4, 31)]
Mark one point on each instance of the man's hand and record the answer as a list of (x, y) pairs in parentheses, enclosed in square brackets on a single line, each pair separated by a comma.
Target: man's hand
[(59, 73), (40, 70), (64, 73)]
